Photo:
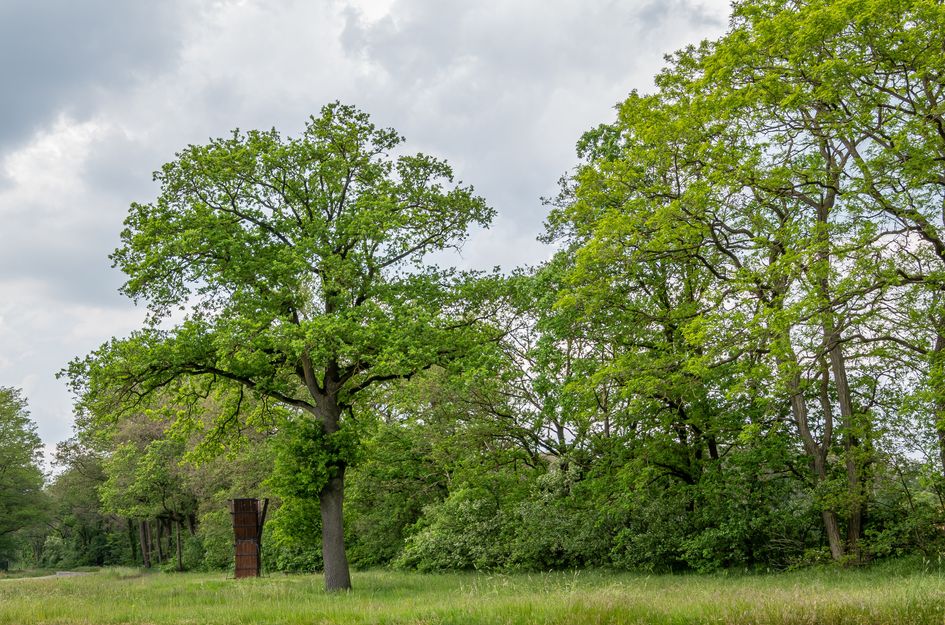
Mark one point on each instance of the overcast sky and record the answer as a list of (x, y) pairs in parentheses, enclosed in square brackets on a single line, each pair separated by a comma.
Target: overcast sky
[(98, 94)]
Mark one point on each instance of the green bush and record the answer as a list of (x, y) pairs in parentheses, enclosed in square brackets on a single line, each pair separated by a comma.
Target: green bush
[(215, 540), (466, 531), (292, 538), (558, 527)]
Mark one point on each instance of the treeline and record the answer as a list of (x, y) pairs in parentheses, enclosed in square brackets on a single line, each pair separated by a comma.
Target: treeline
[(735, 358)]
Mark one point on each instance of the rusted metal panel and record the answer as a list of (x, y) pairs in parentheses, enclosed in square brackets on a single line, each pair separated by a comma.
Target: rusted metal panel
[(247, 559), (247, 530)]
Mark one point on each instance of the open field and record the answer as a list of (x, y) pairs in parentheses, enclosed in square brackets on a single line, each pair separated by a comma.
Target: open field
[(824, 596)]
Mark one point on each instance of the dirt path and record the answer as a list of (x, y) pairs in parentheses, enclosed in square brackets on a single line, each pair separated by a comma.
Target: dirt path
[(57, 575)]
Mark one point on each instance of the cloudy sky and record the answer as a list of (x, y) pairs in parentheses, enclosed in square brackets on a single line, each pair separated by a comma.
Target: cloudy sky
[(98, 94)]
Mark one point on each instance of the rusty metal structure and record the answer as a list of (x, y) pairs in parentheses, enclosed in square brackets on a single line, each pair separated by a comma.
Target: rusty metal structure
[(248, 522)]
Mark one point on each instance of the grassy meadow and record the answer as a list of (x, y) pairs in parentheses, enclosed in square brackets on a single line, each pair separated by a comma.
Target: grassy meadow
[(879, 595)]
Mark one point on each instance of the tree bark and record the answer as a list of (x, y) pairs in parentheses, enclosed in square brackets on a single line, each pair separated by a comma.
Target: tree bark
[(328, 410), (180, 550), (831, 526), (850, 446), (818, 454), (337, 575), (832, 340), (833, 534), (832, 345), (160, 535), (131, 539), (143, 537), (937, 379)]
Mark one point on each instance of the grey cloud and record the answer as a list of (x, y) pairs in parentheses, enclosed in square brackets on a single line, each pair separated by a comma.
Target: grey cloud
[(64, 232), (501, 89), (421, 41), (505, 89), (658, 11), (124, 168), (69, 260), (65, 56)]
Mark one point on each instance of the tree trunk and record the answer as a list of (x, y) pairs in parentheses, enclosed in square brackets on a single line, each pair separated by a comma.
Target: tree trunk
[(143, 537), (831, 326), (160, 536), (149, 537), (831, 526), (817, 452), (132, 543), (851, 443), (180, 550), (833, 534), (937, 379), (328, 410), (337, 576), (38, 552)]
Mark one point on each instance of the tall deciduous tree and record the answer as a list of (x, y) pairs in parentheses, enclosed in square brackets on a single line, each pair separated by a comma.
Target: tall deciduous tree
[(21, 479), (301, 265), (843, 99)]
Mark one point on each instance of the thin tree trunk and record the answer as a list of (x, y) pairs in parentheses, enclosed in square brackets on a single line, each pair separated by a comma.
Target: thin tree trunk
[(160, 536), (938, 381), (833, 534), (132, 543), (832, 345), (831, 526), (149, 536), (143, 537), (850, 441), (180, 550), (818, 454)]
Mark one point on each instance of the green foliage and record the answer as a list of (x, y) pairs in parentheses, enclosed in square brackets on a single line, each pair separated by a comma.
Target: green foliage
[(306, 457), (468, 531), (21, 499), (302, 261), (558, 526), (291, 542), (738, 245), (388, 491), (215, 535)]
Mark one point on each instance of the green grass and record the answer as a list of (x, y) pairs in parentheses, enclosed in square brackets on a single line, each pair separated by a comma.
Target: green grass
[(879, 595)]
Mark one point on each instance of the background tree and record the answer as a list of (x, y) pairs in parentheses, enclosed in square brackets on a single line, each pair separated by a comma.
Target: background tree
[(79, 531), (21, 480), (145, 481)]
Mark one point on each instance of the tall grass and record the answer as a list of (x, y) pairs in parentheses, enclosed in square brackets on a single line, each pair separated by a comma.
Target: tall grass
[(883, 595)]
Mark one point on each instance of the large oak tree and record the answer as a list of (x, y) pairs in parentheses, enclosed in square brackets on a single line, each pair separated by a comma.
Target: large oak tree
[(300, 265)]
